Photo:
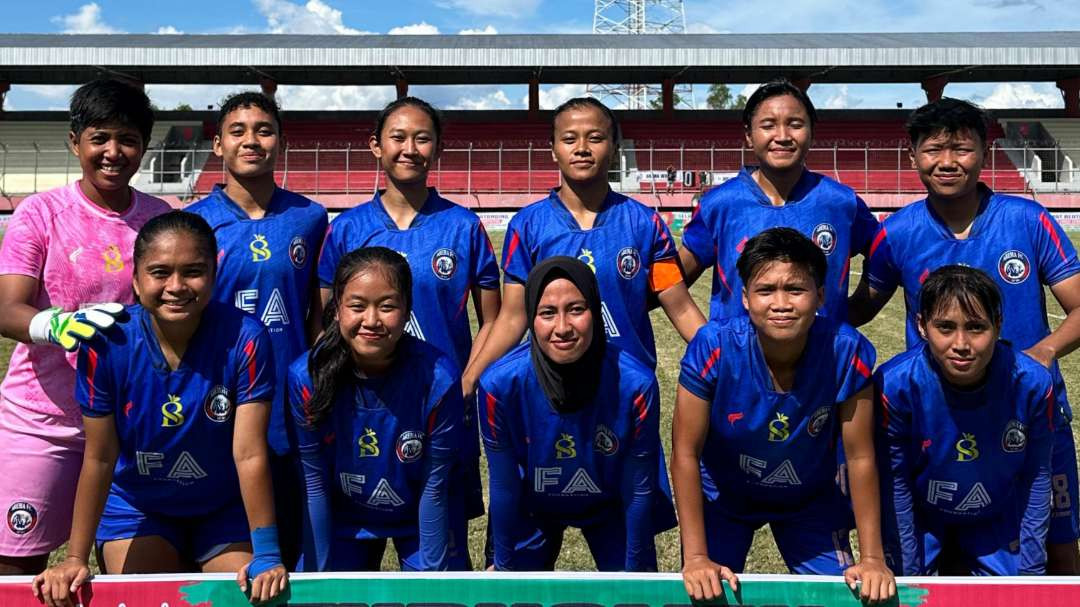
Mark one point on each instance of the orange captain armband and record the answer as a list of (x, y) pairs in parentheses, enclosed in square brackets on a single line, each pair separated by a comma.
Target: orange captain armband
[(664, 274)]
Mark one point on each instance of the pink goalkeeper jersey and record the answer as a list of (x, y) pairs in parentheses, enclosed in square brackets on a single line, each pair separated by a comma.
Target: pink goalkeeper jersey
[(80, 254)]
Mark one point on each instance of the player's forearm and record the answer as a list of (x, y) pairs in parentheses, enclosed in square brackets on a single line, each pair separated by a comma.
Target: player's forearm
[(865, 303), (1063, 340), (689, 504), (506, 333), (256, 487), (682, 311), (866, 503), (90, 495), (691, 268), (16, 321)]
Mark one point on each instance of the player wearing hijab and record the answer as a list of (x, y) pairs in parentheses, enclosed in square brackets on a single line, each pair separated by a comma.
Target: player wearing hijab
[(761, 399), (571, 430), (378, 415), (175, 403), (967, 422), (267, 241), (1015, 241), (64, 252), (779, 120)]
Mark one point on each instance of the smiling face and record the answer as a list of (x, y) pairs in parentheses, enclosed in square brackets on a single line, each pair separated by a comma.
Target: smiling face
[(248, 143), (109, 155), (782, 300), (563, 325), (962, 343), (372, 316), (949, 164), (780, 133), (174, 278), (583, 144), (407, 146)]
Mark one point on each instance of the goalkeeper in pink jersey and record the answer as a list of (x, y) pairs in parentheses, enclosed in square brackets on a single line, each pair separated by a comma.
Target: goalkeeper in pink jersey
[(65, 268)]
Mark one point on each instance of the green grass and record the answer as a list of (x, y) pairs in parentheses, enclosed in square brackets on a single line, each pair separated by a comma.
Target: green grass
[(886, 332)]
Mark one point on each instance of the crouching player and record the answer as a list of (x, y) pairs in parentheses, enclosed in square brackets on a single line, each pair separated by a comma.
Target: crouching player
[(967, 422), (760, 401), (378, 417), (571, 428), (175, 403)]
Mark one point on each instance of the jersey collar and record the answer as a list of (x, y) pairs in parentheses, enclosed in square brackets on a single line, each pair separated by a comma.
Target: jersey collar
[(234, 209), (802, 187), (431, 206), (568, 218), (985, 196), (157, 359)]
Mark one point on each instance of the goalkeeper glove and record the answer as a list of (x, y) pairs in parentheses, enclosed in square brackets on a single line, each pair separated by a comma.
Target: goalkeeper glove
[(66, 329)]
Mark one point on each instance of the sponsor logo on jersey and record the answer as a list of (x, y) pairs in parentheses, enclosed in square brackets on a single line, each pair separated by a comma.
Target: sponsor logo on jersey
[(610, 327), (73, 257), (369, 443), (629, 262), (605, 442), (734, 417), (218, 406), (260, 249), (1013, 266), (114, 260), (778, 429), (413, 326), (818, 420), (580, 481), (586, 257), (824, 236), (565, 447), (444, 263), (22, 517), (410, 446), (967, 449), (298, 252), (1014, 439), (172, 412)]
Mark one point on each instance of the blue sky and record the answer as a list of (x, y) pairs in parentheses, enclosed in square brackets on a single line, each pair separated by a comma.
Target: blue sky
[(531, 16)]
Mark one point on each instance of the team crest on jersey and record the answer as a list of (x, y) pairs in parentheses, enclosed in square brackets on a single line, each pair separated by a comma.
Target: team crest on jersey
[(1014, 440), (218, 406), (818, 420), (298, 252), (605, 442), (629, 262), (444, 263), (1013, 266), (22, 517), (410, 446), (824, 237)]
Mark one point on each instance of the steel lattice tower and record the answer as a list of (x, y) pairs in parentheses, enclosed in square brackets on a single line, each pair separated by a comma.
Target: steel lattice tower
[(638, 17)]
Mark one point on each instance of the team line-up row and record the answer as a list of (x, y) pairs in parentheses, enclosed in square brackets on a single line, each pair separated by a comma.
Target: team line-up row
[(352, 340)]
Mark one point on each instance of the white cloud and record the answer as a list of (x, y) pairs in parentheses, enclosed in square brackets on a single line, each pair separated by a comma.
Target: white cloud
[(1020, 95), (86, 21), (492, 101), (315, 17), (423, 28), (698, 27), (552, 96), (293, 97), (487, 31), (501, 8), (168, 29), (839, 97)]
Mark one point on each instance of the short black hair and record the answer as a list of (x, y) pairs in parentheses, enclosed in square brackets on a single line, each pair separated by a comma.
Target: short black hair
[(111, 102), (946, 115), (248, 99), (776, 88), (781, 244), (190, 224), (582, 102), (971, 289), (416, 102)]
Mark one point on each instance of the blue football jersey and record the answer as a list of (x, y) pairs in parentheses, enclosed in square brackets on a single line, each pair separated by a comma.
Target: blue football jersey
[(828, 212), (266, 267), (175, 428), (382, 437), (773, 449), (626, 243), (448, 251), (963, 456)]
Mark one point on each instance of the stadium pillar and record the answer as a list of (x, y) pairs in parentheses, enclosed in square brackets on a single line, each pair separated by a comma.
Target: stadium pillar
[(934, 87), (402, 87), (268, 86), (534, 99), (802, 83), (4, 88), (667, 89), (1070, 91)]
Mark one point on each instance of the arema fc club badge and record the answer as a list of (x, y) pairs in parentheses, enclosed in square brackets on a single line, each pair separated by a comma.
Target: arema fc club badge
[(1013, 266), (824, 237), (817, 421), (410, 446), (298, 253), (605, 442), (629, 262), (22, 517), (218, 407), (444, 263), (1014, 440)]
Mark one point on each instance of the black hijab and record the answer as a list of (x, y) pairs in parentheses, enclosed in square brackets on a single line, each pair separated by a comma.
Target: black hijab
[(569, 386)]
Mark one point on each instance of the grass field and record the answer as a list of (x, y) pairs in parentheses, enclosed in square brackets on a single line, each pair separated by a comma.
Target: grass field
[(886, 332)]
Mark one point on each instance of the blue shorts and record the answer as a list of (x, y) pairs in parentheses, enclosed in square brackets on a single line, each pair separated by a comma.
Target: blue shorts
[(1065, 502), (196, 538), (812, 538), (352, 554), (606, 539), (989, 548)]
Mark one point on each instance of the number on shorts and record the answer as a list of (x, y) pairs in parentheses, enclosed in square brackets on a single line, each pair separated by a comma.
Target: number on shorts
[(1062, 499)]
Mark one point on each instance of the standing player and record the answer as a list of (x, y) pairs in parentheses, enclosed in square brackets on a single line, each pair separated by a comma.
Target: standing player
[(1015, 241), (64, 251), (175, 403), (761, 400), (967, 423), (268, 238), (571, 429), (378, 416), (779, 120)]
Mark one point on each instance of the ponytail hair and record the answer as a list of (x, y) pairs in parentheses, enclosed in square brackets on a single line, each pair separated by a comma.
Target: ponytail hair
[(330, 361)]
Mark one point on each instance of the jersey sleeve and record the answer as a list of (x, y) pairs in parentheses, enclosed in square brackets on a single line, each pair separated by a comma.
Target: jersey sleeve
[(700, 372), (444, 423), (664, 270), (864, 227), (445, 415), (880, 267), (855, 368), (697, 236), (1035, 480), (646, 413), (331, 253), (23, 248), (505, 484), (94, 387), (315, 468), (255, 376), (485, 270), (903, 546), (1057, 255), (517, 259)]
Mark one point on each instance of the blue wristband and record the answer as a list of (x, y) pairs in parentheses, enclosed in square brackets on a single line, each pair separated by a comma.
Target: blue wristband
[(266, 553)]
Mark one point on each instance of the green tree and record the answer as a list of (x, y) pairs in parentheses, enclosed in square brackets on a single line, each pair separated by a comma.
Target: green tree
[(720, 98), (657, 103), (183, 107)]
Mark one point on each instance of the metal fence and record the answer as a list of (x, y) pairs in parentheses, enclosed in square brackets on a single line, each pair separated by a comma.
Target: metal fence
[(528, 169)]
